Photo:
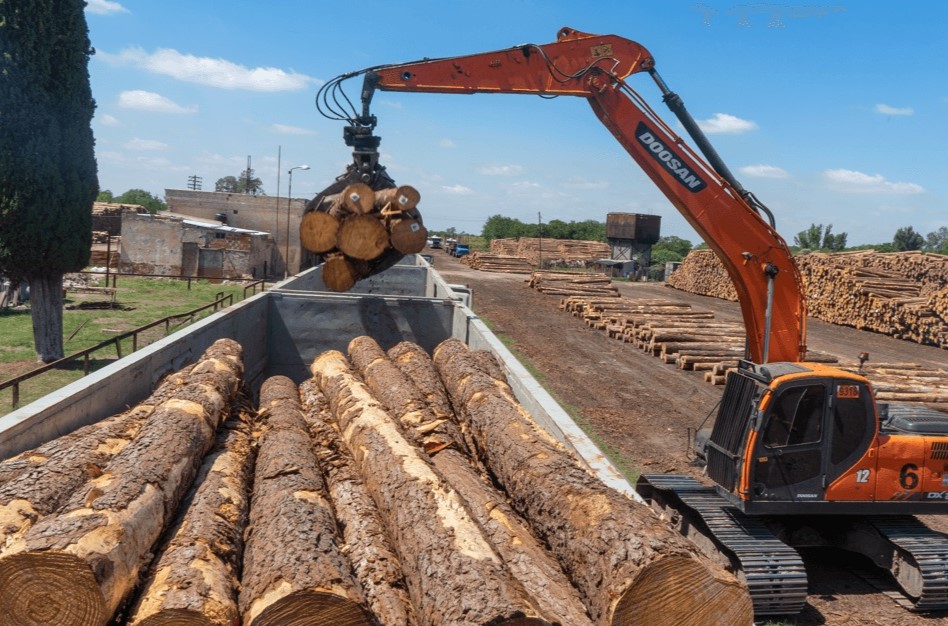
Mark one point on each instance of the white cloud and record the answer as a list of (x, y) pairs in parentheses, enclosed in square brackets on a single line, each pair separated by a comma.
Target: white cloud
[(885, 109), (447, 143), (764, 171), (500, 170), (457, 190), (105, 7), (581, 183), (523, 187), (723, 123), (108, 120), (283, 129), (210, 72), (853, 181), (145, 144), (150, 101)]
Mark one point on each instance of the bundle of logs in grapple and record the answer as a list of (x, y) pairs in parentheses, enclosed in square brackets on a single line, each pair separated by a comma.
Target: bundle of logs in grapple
[(358, 229), (390, 489)]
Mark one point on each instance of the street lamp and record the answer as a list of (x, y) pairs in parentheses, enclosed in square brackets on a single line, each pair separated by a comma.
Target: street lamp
[(289, 202)]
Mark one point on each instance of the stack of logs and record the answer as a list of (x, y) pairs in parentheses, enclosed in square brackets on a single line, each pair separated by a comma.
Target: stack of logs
[(357, 227), (552, 251), (488, 262), (573, 284), (367, 496), (897, 294)]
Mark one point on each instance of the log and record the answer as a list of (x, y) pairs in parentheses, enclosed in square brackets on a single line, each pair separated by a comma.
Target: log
[(339, 273), (407, 234), (294, 571), (318, 231), (616, 552), (397, 199), (195, 579), (374, 562), (355, 199), (454, 575), (362, 237), (78, 565), (415, 363)]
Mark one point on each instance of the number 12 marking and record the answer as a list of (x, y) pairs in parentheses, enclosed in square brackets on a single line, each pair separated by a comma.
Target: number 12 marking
[(862, 476)]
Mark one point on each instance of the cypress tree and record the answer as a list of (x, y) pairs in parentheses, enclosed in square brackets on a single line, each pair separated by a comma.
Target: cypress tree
[(48, 178)]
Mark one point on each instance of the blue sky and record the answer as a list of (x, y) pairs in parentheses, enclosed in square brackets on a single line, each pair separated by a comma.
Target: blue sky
[(830, 112)]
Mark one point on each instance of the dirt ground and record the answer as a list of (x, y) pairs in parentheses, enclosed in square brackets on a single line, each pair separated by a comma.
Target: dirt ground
[(642, 410)]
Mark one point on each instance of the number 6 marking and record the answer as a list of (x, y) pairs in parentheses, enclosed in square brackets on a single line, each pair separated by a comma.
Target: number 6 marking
[(907, 477)]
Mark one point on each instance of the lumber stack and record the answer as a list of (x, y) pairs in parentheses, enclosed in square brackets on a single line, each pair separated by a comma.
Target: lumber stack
[(909, 383), (488, 262), (573, 252), (573, 283), (897, 294), (360, 231)]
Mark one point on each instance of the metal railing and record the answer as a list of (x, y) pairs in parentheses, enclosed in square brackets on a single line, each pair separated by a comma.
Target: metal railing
[(186, 317)]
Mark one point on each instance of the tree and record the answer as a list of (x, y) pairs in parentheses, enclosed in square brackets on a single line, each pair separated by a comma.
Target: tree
[(141, 197), (818, 237), (105, 196), (247, 182), (48, 178), (907, 239), (937, 241), (676, 245)]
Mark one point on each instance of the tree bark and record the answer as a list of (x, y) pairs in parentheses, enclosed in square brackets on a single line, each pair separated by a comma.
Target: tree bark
[(454, 576), (292, 565), (46, 306), (76, 567), (365, 542), (612, 548), (195, 579), (397, 199), (415, 363)]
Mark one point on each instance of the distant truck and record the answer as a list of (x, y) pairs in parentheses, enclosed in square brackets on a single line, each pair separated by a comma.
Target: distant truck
[(449, 245), (435, 242), (460, 249)]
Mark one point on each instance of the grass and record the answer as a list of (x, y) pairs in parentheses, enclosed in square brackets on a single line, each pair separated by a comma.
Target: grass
[(623, 464), (138, 301)]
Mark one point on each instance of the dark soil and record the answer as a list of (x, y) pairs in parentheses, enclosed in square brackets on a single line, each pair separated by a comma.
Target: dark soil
[(642, 409)]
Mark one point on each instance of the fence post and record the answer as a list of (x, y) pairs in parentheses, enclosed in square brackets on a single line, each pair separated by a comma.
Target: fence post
[(85, 364), (118, 347), (16, 395)]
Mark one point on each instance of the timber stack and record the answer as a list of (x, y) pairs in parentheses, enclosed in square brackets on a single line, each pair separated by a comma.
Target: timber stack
[(488, 262), (898, 294), (360, 231), (363, 497), (573, 283), (571, 252)]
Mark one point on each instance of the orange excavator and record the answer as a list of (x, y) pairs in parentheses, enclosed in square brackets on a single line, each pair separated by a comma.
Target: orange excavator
[(800, 453)]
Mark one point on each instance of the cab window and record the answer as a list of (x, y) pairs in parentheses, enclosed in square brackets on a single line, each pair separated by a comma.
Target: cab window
[(796, 417)]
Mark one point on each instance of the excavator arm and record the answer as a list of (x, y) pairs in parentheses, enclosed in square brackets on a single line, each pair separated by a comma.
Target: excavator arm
[(725, 215)]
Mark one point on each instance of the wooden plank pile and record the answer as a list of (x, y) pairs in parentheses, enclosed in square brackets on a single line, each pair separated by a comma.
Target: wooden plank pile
[(489, 262), (573, 283), (360, 498), (897, 294), (360, 231), (552, 251)]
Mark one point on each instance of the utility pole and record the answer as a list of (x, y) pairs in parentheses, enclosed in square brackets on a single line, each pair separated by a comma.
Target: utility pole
[(194, 182), (540, 233)]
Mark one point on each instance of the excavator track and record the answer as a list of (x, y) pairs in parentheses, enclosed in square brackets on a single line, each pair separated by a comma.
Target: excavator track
[(773, 571), (919, 562)]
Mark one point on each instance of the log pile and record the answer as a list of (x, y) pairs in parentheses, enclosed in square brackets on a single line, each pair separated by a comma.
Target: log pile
[(908, 383), (573, 284), (574, 252), (360, 232), (897, 294), (488, 262)]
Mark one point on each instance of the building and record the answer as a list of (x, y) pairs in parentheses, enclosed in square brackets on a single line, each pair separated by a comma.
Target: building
[(180, 245)]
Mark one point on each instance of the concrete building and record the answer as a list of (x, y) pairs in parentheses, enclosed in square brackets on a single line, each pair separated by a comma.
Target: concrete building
[(258, 213), (176, 245)]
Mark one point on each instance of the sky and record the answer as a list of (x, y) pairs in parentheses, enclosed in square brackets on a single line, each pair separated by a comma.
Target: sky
[(831, 112)]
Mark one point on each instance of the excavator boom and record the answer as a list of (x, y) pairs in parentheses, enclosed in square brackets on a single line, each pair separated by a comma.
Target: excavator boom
[(726, 216)]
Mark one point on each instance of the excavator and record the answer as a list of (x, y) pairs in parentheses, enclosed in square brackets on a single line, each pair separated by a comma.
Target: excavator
[(799, 454)]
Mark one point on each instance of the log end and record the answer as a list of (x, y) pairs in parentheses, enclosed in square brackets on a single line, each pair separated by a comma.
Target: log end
[(682, 591), (318, 231), (50, 588), (312, 607)]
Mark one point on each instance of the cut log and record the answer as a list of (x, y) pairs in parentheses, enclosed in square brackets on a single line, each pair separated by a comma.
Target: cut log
[(318, 231), (293, 568), (362, 237), (397, 199), (454, 575), (374, 562), (415, 363), (613, 549), (407, 235), (77, 566), (195, 579), (355, 199), (339, 273)]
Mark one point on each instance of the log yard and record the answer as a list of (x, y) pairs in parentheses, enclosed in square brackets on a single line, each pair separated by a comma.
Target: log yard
[(396, 436)]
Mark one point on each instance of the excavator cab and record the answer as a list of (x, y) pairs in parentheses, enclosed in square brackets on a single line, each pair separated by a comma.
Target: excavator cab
[(805, 438)]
